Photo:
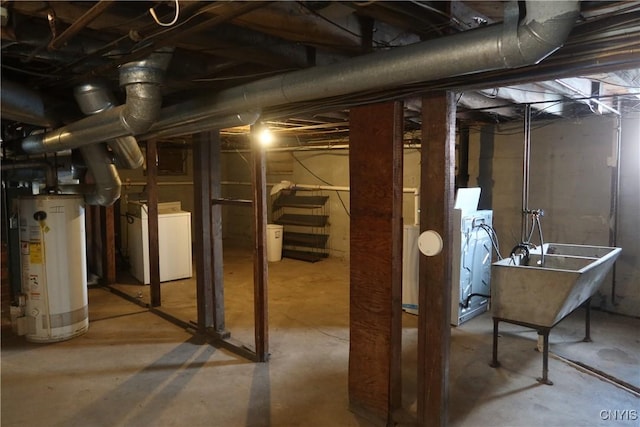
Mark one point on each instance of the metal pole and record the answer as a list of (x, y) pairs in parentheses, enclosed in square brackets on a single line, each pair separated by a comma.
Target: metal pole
[(526, 163), (615, 196)]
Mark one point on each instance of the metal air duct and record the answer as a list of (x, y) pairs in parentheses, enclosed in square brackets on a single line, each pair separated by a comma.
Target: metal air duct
[(25, 105), (142, 83), (513, 44), (107, 186), (141, 80), (94, 98), (543, 30)]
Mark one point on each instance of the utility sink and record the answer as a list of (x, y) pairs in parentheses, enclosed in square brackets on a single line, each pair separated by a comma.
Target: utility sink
[(542, 294)]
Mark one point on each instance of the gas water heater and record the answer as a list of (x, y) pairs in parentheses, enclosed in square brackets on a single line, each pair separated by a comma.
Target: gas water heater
[(54, 269)]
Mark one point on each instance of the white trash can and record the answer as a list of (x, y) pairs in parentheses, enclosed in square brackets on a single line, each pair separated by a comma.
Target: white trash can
[(274, 242)]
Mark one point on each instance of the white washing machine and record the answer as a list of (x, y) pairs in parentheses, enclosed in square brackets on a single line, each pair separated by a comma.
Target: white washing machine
[(174, 241), (471, 272), (472, 252)]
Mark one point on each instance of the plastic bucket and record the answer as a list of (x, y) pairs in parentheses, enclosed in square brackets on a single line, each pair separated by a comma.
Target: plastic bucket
[(274, 242)]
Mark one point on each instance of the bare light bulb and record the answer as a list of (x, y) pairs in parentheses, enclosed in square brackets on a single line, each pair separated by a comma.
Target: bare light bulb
[(265, 137)]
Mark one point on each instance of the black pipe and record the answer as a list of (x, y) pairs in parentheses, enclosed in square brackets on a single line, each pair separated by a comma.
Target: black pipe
[(463, 155), (521, 247), (468, 299)]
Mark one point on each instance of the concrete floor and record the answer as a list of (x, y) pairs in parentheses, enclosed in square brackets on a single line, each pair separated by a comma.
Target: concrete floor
[(133, 368)]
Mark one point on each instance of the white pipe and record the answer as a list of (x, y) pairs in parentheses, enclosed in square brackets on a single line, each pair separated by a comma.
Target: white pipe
[(414, 190), (312, 148), (318, 187), (143, 183)]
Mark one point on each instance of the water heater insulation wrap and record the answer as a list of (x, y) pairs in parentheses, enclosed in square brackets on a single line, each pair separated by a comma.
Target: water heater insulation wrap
[(54, 269)]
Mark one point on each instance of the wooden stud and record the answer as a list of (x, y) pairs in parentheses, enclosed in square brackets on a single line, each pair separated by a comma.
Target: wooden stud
[(375, 164), (152, 205), (94, 248), (434, 300), (108, 238)]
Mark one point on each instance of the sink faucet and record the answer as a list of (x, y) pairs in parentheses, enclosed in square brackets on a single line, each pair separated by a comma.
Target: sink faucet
[(523, 247), (536, 214)]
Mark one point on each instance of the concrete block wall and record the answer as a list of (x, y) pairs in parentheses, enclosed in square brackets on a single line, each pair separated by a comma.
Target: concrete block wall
[(571, 180), (299, 167), (331, 166), (627, 287)]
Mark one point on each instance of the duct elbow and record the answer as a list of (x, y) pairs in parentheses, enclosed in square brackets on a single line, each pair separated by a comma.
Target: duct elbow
[(104, 196), (126, 152), (544, 30), (142, 80), (94, 98), (142, 108), (105, 175)]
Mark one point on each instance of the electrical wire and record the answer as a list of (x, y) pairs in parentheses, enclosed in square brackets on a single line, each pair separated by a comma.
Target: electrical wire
[(243, 158), (493, 237), (616, 84), (245, 76), (322, 180), (144, 43), (335, 24), (32, 73), (169, 24)]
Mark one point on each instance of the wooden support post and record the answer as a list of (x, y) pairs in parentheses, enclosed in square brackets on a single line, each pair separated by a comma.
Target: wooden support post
[(108, 238), (375, 165), (202, 225), (260, 266), (152, 204), (101, 247), (93, 264), (434, 300)]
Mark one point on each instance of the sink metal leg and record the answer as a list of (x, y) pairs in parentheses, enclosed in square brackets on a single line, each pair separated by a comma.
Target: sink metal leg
[(494, 362), (587, 321), (545, 358)]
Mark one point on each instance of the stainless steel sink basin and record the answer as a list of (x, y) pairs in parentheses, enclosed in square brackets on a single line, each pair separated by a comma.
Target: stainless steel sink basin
[(542, 295), (575, 250)]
